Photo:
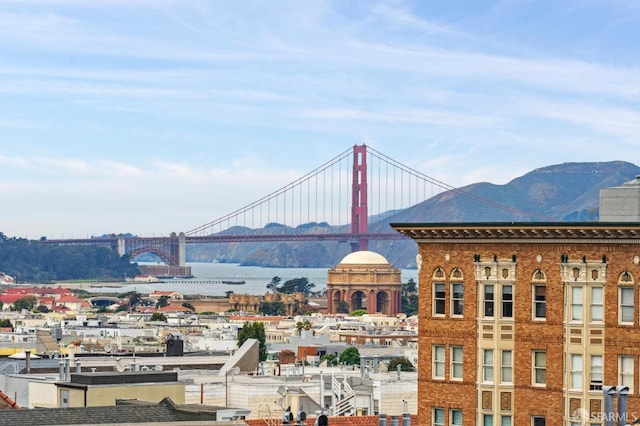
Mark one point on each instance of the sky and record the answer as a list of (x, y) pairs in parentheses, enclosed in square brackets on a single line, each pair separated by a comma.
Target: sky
[(157, 116)]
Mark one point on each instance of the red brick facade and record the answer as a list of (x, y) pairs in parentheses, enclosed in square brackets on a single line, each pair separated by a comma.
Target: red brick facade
[(513, 257)]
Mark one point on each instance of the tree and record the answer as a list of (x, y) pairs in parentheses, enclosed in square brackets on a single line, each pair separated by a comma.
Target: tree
[(189, 306), (158, 316), (42, 309), (27, 302), (404, 363), (273, 284), (330, 358), (133, 299), (409, 303), (358, 313), (342, 307), (162, 301), (296, 285), (350, 356), (6, 323), (254, 330), (273, 308), (303, 325)]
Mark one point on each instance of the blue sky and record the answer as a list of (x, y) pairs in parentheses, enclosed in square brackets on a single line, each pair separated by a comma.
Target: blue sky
[(154, 116)]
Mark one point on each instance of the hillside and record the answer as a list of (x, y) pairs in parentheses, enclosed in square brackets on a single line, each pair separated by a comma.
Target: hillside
[(565, 192)]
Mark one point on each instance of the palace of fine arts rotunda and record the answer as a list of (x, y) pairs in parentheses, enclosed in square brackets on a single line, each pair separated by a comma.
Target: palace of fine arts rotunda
[(364, 280)]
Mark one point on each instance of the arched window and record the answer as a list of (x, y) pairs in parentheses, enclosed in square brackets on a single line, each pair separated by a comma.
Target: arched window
[(439, 292), (539, 295), (626, 298), (457, 293)]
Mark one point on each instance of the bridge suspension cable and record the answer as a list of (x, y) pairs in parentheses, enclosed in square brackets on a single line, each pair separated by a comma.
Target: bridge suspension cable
[(265, 204), (328, 195)]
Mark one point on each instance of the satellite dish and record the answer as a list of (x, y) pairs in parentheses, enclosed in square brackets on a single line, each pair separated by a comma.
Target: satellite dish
[(158, 367), (282, 390), (235, 370), (119, 367), (280, 402), (108, 348)]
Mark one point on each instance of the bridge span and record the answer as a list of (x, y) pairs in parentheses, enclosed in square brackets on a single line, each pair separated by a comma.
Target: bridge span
[(335, 202)]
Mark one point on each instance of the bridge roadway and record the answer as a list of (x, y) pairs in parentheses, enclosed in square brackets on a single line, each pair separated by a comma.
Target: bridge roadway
[(238, 238), (172, 249)]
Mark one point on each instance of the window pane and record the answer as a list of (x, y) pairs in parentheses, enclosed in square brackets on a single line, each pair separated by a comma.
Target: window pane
[(488, 300), (458, 296), (456, 417), (540, 296), (596, 304), (487, 420), (596, 373), (438, 416), (576, 303), (487, 359), (626, 304), (540, 367), (439, 300), (539, 421), (576, 371), (456, 362), (596, 295), (506, 421), (507, 301)]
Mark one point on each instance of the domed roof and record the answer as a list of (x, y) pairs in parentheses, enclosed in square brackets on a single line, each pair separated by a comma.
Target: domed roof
[(364, 258)]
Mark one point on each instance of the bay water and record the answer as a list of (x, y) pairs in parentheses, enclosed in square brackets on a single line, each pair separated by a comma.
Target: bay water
[(207, 279)]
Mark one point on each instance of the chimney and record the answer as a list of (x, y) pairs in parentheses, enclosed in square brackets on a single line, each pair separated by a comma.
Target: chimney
[(27, 358)]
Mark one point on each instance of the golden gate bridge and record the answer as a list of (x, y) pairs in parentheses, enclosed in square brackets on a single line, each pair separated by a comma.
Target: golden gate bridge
[(337, 201)]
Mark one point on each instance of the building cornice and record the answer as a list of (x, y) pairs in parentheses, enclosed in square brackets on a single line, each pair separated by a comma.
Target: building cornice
[(529, 232)]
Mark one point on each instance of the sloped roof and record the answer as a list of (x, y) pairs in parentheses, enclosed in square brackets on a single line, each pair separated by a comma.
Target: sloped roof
[(164, 412)]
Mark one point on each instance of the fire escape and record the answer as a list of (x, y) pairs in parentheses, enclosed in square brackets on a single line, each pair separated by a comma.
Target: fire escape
[(343, 397)]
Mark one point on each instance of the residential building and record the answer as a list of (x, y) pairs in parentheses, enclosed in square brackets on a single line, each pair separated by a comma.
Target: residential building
[(524, 323)]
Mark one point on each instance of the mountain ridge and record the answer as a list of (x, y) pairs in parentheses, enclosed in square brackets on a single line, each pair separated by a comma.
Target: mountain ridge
[(560, 192)]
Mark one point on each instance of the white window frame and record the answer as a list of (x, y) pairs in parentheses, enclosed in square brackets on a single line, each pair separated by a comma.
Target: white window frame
[(487, 365), (596, 307), (537, 303), (506, 301), (624, 306), (439, 301), (457, 300), (438, 363), (452, 419), (435, 421), (595, 373), (506, 366), (488, 302), (576, 313), (533, 420), (456, 364), (535, 368), (487, 420), (625, 371), (576, 368)]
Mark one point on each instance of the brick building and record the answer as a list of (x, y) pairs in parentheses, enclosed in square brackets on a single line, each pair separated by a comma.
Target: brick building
[(523, 323)]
